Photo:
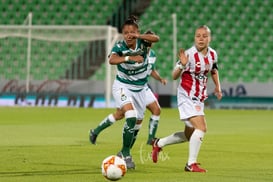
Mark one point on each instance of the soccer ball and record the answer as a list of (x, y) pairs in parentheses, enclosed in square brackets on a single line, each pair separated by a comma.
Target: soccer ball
[(113, 168)]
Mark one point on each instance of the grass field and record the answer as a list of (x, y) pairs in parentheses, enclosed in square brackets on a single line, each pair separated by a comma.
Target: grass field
[(51, 144)]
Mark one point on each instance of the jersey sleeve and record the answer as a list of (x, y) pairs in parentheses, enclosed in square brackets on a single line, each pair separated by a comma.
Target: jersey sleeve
[(153, 67), (213, 55), (216, 57), (215, 61), (152, 53), (117, 49)]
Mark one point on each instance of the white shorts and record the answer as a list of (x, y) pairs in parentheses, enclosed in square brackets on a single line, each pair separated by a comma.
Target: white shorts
[(150, 97), (189, 107), (123, 95)]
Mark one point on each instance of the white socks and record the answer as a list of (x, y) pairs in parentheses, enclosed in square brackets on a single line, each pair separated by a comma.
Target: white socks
[(137, 126), (177, 137), (111, 118), (194, 145)]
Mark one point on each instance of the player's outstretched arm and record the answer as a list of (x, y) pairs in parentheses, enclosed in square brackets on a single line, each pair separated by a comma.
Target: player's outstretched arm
[(148, 37), (157, 76), (183, 60)]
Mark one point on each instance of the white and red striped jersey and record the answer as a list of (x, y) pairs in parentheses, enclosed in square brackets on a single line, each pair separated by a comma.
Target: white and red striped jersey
[(193, 81)]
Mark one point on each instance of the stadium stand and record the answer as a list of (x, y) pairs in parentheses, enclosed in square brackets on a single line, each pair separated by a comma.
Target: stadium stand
[(240, 29), (241, 33), (49, 60)]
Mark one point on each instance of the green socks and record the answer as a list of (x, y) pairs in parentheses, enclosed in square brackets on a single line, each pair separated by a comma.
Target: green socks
[(128, 135), (136, 130), (153, 124), (108, 121)]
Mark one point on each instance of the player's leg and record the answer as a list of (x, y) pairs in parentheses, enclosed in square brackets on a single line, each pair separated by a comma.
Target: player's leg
[(185, 105), (153, 106), (128, 135), (191, 111), (140, 106), (136, 130), (199, 124), (128, 129), (123, 100), (105, 123), (155, 110), (177, 137)]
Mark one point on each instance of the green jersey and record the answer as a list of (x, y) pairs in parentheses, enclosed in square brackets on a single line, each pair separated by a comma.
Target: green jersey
[(134, 75)]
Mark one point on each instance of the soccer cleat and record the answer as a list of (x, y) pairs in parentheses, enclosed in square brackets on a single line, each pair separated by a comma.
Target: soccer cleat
[(194, 168), (120, 155), (129, 162), (92, 137), (156, 150)]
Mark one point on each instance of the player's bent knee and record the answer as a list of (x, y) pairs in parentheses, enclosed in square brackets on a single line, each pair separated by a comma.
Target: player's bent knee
[(156, 111), (131, 114), (118, 116)]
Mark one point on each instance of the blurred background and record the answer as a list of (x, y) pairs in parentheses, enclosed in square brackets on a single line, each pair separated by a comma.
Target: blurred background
[(59, 72)]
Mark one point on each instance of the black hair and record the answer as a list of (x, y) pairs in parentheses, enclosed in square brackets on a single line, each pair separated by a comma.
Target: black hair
[(131, 20), (149, 32)]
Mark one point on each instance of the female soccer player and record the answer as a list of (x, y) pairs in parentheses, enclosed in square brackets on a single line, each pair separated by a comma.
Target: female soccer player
[(130, 56), (150, 100), (192, 68)]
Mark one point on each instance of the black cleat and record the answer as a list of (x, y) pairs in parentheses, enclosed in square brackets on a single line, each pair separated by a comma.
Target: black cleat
[(129, 162), (92, 137)]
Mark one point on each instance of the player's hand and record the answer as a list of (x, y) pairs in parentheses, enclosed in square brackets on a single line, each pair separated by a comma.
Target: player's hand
[(134, 35), (183, 57), (163, 81), (137, 59), (218, 93)]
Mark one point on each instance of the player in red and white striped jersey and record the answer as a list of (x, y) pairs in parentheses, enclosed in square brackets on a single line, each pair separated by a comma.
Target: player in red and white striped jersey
[(193, 68)]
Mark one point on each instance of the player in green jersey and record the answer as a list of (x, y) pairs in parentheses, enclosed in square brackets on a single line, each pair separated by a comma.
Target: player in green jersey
[(130, 57), (151, 104)]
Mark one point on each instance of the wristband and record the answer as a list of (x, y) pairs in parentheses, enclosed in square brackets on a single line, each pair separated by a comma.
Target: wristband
[(126, 58), (180, 66)]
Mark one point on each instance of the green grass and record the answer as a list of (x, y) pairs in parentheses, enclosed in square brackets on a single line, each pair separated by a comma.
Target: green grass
[(51, 144)]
